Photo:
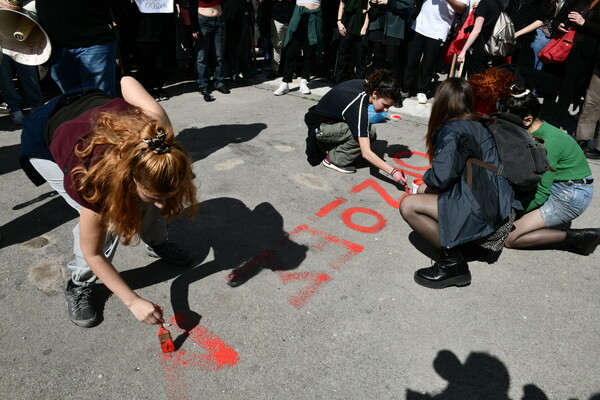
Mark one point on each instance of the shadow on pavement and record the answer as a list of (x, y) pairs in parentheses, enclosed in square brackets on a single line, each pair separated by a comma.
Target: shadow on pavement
[(202, 142), (9, 159), (38, 221), (481, 377), (243, 240)]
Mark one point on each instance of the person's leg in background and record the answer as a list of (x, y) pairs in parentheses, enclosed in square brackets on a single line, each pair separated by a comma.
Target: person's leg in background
[(64, 69), (97, 66), (278, 31), (12, 97), (589, 117), (575, 66), (205, 47)]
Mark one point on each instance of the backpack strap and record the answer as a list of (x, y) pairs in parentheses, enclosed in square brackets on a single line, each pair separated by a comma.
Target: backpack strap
[(480, 163)]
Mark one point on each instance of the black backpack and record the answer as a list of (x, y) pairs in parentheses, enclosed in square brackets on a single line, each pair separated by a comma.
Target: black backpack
[(523, 158)]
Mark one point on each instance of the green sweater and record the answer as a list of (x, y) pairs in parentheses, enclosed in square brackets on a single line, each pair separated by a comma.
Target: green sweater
[(315, 25), (564, 156)]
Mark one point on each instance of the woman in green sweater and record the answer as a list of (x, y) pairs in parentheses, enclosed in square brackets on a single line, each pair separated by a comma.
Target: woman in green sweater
[(564, 192)]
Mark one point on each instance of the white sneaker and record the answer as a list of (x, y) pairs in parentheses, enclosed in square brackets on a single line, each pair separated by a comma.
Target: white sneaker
[(282, 89), (422, 98), (17, 117), (304, 86)]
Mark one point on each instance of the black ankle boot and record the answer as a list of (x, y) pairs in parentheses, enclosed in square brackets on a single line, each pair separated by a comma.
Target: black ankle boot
[(583, 241), (450, 270)]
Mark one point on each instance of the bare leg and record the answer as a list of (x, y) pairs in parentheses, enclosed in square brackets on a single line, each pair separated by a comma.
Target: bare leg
[(420, 211), (531, 231)]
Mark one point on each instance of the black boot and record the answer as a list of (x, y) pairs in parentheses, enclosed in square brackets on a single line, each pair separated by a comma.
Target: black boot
[(450, 270), (583, 241)]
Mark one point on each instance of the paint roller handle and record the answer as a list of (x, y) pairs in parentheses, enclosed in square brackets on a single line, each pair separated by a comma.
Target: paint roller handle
[(24, 28)]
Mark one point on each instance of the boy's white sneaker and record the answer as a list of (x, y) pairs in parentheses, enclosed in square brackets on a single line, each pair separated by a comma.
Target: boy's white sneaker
[(304, 86), (282, 89)]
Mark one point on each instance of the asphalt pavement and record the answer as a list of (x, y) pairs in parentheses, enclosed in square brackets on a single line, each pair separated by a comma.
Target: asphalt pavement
[(322, 303)]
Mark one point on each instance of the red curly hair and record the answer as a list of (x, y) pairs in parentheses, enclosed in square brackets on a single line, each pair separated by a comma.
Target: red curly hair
[(128, 162), (489, 87)]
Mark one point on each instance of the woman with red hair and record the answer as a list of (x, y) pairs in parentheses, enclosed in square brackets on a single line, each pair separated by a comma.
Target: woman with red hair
[(490, 86), (116, 162)]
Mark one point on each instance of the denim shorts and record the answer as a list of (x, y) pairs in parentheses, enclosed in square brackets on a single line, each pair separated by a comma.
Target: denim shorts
[(566, 202)]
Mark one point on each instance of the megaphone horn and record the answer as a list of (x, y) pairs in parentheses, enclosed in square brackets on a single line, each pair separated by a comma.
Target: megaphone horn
[(22, 38)]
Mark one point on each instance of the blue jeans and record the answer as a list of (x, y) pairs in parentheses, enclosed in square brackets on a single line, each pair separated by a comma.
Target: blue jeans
[(566, 202), (86, 67), (537, 45), (28, 77), (212, 34)]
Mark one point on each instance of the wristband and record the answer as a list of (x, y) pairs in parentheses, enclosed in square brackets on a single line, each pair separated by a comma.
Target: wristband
[(393, 171)]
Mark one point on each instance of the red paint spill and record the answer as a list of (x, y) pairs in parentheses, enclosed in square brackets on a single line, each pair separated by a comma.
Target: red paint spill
[(331, 206), (240, 274), (396, 157), (176, 383), (370, 183), (325, 239), (395, 116), (218, 353), (315, 279), (379, 225)]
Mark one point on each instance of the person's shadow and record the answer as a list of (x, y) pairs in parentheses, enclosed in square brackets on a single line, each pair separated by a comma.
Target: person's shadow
[(38, 221), (9, 159), (243, 240), (199, 143), (481, 377)]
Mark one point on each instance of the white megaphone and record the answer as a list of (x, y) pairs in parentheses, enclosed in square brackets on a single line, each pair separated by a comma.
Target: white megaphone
[(21, 36)]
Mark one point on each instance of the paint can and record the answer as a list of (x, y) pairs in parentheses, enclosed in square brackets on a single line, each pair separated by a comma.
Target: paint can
[(415, 185)]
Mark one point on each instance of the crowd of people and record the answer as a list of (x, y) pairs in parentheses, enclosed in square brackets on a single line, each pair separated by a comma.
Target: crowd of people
[(116, 161)]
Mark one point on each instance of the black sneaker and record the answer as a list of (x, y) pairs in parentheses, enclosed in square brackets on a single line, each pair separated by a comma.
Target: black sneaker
[(80, 305), (593, 154), (206, 95), (223, 89), (170, 253)]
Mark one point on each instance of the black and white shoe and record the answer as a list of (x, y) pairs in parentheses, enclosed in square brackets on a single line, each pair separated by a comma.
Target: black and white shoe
[(80, 305)]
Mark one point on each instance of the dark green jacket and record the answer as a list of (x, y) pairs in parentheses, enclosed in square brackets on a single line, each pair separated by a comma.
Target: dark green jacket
[(392, 19), (315, 25)]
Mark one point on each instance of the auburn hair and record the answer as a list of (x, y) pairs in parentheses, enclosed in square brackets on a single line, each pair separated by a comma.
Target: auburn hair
[(453, 100), (489, 87), (126, 162)]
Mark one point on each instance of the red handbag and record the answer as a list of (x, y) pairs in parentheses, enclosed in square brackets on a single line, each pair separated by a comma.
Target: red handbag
[(558, 48)]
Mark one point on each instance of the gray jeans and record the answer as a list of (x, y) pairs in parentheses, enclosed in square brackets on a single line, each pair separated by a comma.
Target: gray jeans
[(344, 147), (154, 225), (590, 114)]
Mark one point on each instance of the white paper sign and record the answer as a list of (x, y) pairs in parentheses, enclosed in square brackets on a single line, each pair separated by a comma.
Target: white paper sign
[(155, 6)]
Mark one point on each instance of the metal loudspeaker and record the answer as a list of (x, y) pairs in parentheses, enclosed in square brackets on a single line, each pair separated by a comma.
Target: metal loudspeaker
[(21, 36)]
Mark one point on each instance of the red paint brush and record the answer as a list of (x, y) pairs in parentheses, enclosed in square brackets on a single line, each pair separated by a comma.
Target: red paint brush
[(166, 342), (164, 336)]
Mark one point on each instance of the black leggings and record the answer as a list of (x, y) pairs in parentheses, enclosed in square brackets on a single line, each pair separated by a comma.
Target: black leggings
[(298, 42), (387, 56)]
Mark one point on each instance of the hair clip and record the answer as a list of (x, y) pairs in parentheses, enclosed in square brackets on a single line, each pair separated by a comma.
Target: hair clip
[(158, 144), (520, 95)]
